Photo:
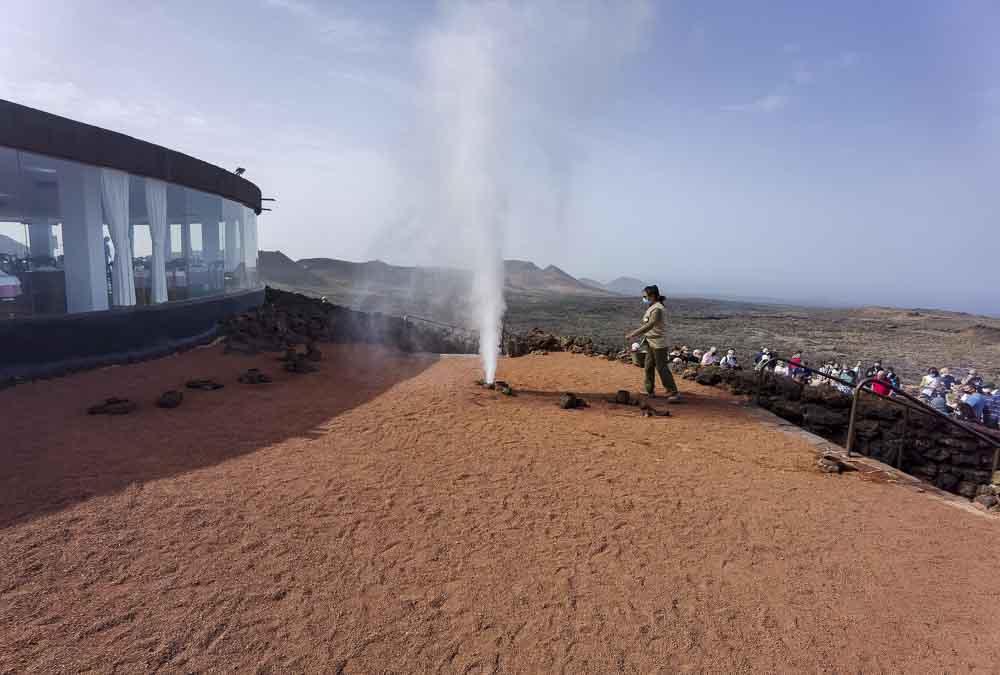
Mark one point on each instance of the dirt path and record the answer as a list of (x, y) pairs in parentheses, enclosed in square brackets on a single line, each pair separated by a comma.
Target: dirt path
[(386, 515)]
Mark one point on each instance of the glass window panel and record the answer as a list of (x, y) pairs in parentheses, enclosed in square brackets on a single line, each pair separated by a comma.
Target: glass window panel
[(176, 241), (197, 247), (142, 262)]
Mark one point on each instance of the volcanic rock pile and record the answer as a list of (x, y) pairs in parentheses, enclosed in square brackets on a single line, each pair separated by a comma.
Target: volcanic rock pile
[(539, 342), (289, 320)]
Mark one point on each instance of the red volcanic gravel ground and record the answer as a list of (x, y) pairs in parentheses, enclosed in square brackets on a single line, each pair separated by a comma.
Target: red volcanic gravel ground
[(386, 515)]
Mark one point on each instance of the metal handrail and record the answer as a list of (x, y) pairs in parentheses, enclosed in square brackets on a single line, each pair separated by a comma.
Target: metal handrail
[(900, 398), (921, 407), (761, 368)]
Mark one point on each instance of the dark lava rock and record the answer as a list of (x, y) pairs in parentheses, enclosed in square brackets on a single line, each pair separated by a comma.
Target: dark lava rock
[(819, 416), (203, 385), (254, 376), (967, 488), (170, 399), (503, 388), (789, 410), (947, 481), (867, 429), (646, 410), (709, 376), (570, 401), (827, 396), (986, 500), (112, 406), (301, 365), (514, 347)]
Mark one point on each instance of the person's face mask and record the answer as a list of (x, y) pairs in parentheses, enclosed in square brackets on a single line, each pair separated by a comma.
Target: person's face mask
[(645, 300)]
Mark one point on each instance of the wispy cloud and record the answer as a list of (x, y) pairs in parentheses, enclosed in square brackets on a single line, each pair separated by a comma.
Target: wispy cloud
[(345, 32), (765, 104), (298, 7), (67, 98)]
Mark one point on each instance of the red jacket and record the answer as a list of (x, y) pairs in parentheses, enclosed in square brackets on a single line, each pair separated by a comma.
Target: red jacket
[(881, 388)]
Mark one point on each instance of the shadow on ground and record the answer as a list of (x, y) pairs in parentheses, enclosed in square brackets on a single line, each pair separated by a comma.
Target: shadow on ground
[(53, 454)]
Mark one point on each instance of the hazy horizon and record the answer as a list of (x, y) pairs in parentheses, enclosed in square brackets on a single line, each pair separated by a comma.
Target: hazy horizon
[(698, 147), (685, 292)]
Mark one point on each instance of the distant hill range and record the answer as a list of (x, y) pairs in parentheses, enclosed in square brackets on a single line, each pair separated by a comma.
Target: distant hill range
[(626, 286), (521, 276)]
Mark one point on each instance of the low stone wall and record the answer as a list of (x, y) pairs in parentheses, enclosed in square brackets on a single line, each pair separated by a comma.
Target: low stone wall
[(286, 320), (932, 449), (536, 341)]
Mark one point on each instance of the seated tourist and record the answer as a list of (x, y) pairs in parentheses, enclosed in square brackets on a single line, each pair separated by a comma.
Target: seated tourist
[(993, 409), (765, 360), (973, 379), (938, 401), (947, 379), (729, 360), (780, 368), (710, 358), (795, 364), (892, 377), (929, 382), (975, 402), (881, 384), (873, 371)]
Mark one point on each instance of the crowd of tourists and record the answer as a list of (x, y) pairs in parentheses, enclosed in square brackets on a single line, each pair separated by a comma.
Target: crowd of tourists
[(969, 397)]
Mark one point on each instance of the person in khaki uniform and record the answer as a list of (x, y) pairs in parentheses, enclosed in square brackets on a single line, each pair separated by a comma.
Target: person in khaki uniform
[(654, 330)]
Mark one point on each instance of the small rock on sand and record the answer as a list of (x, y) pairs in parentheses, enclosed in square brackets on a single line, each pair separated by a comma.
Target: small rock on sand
[(569, 401), (170, 399)]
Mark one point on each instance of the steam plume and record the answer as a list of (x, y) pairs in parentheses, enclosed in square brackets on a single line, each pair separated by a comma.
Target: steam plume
[(507, 78)]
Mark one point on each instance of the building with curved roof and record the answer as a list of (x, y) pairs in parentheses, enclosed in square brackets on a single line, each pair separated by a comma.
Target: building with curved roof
[(112, 247)]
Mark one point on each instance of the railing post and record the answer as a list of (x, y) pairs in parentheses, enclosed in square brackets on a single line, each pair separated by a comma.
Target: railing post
[(906, 435), (851, 427), (761, 370)]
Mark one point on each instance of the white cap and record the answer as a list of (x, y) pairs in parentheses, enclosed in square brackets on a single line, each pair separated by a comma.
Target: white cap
[(635, 346)]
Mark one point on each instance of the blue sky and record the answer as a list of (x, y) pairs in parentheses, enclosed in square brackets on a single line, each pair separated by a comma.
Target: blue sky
[(695, 144)]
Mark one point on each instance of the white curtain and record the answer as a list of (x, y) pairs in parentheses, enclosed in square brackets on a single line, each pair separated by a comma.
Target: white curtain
[(231, 214), (249, 238), (248, 247), (156, 207), (114, 195)]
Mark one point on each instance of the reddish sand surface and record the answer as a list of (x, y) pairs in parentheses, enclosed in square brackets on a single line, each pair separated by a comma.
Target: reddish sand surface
[(386, 515)]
